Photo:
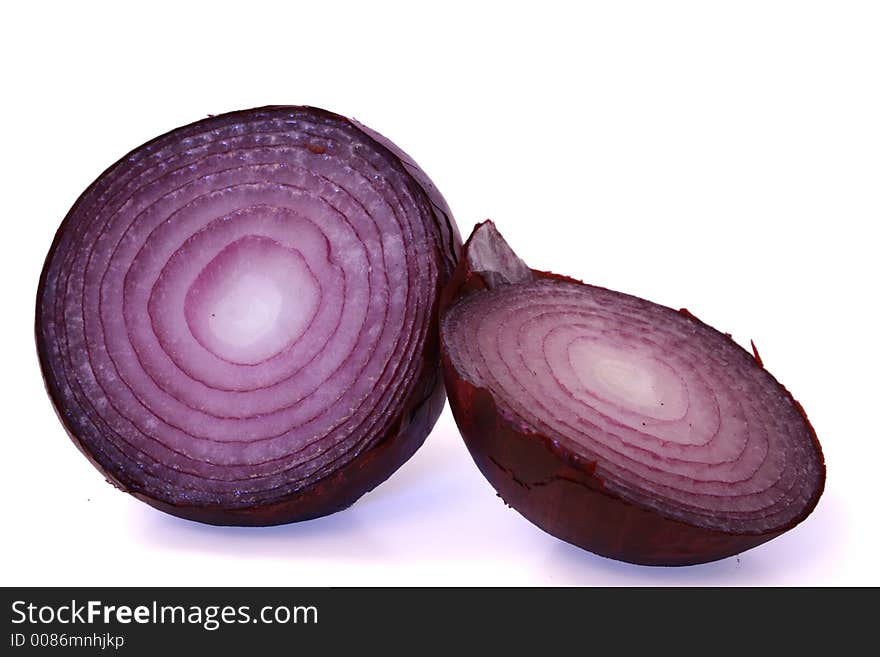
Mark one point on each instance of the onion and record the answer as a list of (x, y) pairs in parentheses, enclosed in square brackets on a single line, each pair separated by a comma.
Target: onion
[(627, 428), (237, 321)]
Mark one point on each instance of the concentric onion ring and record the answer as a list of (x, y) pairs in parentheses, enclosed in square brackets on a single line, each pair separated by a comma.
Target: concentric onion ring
[(628, 428), (236, 321)]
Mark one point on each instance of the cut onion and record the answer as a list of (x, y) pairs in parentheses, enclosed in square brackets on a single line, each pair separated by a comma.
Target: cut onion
[(237, 321), (624, 427)]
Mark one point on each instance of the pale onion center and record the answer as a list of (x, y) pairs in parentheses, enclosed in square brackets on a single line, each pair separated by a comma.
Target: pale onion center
[(247, 311), (632, 379), (252, 300)]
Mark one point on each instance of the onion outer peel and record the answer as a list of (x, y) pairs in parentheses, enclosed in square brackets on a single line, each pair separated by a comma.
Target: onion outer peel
[(557, 489)]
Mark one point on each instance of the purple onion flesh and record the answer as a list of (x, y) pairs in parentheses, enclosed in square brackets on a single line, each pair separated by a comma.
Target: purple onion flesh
[(622, 426), (237, 321)]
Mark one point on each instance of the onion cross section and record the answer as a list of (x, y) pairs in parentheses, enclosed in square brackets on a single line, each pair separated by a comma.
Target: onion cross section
[(627, 428), (237, 321)]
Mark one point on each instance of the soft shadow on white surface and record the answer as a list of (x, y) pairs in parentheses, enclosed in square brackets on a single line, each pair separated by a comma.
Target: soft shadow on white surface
[(436, 522), (332, 537), (370, 531)]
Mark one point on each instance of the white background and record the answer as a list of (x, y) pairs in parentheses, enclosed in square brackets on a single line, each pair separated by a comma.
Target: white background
[(719, 156)]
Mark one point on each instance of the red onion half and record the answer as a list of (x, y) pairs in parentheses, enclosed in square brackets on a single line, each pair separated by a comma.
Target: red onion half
[(627, 428), (237, 321)]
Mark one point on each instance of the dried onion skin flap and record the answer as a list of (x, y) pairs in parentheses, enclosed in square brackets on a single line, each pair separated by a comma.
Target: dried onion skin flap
[(632, 430), (237, 321)]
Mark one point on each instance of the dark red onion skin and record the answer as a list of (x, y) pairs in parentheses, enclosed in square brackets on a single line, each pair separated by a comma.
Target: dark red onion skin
[(559, 491), (412, 422)]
